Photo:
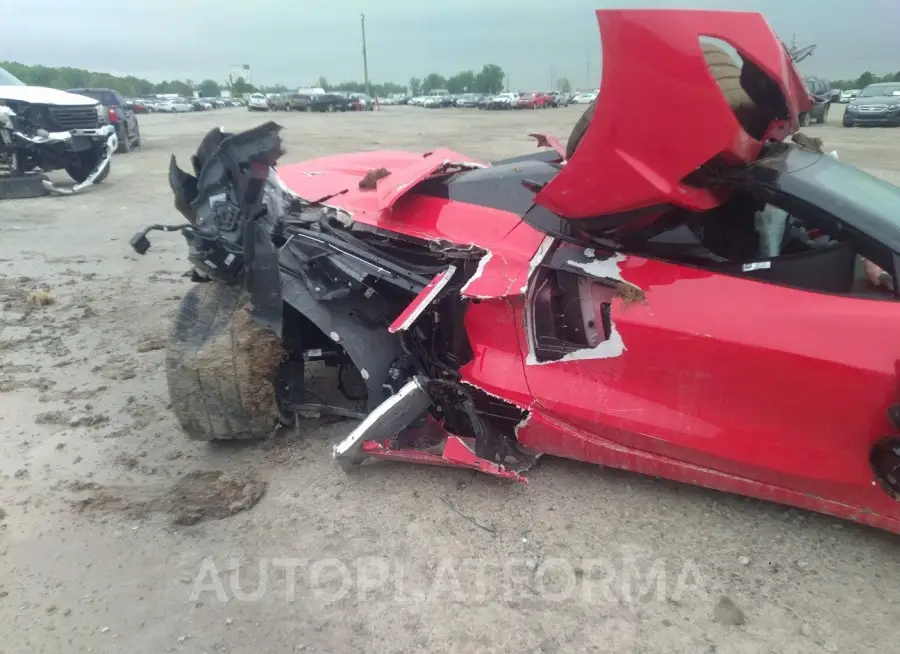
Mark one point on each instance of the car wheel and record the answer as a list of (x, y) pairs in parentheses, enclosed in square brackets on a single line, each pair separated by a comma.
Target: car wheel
[(124, 142), (137, 138), (847, 123), (221, 367), (821, 119), (804, 119), (79, 172)]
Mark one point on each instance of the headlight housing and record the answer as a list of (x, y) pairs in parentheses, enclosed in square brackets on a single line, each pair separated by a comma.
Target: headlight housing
[(851, 108), (893, 107)]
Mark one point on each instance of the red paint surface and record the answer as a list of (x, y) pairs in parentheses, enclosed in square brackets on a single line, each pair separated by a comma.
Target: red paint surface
[(645, 167), (727, 383)]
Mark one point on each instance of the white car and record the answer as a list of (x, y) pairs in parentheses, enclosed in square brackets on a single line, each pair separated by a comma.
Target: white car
[(502, 101), (583, 98), (258, 102), (848, 95), (177, 105)]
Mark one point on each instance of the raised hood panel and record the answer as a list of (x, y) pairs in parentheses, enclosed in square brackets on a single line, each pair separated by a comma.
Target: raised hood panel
[(661, 115), (43, 95)]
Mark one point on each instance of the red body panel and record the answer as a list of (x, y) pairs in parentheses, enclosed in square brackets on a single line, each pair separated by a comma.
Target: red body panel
[(618, 168), (721, 381)]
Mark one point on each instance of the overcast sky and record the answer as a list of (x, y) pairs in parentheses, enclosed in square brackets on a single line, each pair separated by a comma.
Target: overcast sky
[(295, 41)]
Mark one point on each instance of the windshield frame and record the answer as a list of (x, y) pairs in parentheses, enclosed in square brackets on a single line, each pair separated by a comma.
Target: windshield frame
[(8, 79)]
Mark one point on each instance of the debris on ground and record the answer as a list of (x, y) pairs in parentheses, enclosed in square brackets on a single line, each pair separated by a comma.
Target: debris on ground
[(196, 497), (151, 344), (39, 299), (727, 612), (51, 418)]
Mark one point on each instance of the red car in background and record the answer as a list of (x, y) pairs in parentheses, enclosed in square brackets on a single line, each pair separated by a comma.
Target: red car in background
[(535, 100)]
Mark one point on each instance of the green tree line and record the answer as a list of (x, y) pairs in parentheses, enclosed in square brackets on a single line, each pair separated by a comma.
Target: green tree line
[(864, 80), (489, 80)]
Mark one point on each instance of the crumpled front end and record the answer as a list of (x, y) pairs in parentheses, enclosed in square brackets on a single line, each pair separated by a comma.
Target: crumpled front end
[(47, 138)]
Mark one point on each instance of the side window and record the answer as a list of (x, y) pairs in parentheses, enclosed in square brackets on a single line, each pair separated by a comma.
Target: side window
[(793, 252), (766, 242)]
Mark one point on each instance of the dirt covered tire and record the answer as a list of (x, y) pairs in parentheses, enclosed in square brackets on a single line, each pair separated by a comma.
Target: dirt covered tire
[(726, 73), (21, 187), (124, 143), (221, 367)]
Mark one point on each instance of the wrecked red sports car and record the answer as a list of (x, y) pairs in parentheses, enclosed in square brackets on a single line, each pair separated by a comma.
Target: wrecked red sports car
[(689, 304)]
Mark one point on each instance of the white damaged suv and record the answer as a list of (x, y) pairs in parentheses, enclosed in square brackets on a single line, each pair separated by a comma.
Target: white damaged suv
[(47, 129)]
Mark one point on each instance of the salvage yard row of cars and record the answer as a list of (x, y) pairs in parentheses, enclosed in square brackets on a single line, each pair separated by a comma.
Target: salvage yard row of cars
[(520, 100), (312, 100), (181, 105)]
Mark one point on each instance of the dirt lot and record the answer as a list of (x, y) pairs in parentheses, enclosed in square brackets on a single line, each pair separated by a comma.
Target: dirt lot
[(117, 535)]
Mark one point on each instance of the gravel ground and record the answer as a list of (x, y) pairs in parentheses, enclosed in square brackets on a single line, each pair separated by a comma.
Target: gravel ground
[(117, 535)]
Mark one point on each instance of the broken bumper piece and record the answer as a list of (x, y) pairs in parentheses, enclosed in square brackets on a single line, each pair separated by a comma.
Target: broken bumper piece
[(376, 437)]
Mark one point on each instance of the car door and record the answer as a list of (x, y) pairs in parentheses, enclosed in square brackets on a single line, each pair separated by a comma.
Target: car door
[(779, 385), (129, 119)]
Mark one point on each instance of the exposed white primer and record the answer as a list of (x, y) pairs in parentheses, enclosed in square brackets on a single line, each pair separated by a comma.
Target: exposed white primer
[(335, 337), (522, 424), (478, 272), (614, 346), (602, 268), (537, 259), (364, 373), (426, 301)]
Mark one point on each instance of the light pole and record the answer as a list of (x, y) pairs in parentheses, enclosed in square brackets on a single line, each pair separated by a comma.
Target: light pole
[(362, 20)]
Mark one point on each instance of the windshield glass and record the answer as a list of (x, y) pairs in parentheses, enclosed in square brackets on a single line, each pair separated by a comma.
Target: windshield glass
[(857, 188), (8, 79), (880, 90)]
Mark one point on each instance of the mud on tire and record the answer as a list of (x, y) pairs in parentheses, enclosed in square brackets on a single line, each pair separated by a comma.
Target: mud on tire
[(221, 366)]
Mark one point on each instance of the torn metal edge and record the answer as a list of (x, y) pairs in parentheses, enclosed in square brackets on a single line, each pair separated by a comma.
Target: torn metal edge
[(349, 450), (478, 272), (538, 259), (614, 346), (422, 301)]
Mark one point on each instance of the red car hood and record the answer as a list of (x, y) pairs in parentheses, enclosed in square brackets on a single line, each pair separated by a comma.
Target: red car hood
[(661, 115)]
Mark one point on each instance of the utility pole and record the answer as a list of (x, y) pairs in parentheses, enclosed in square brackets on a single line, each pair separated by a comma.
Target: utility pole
[(362, 18)]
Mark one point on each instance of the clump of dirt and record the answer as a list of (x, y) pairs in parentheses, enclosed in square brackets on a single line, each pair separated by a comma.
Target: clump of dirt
[(629, 294), (40, 299), (196, 497), (151, 345), (370, 181), (51, 418)]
